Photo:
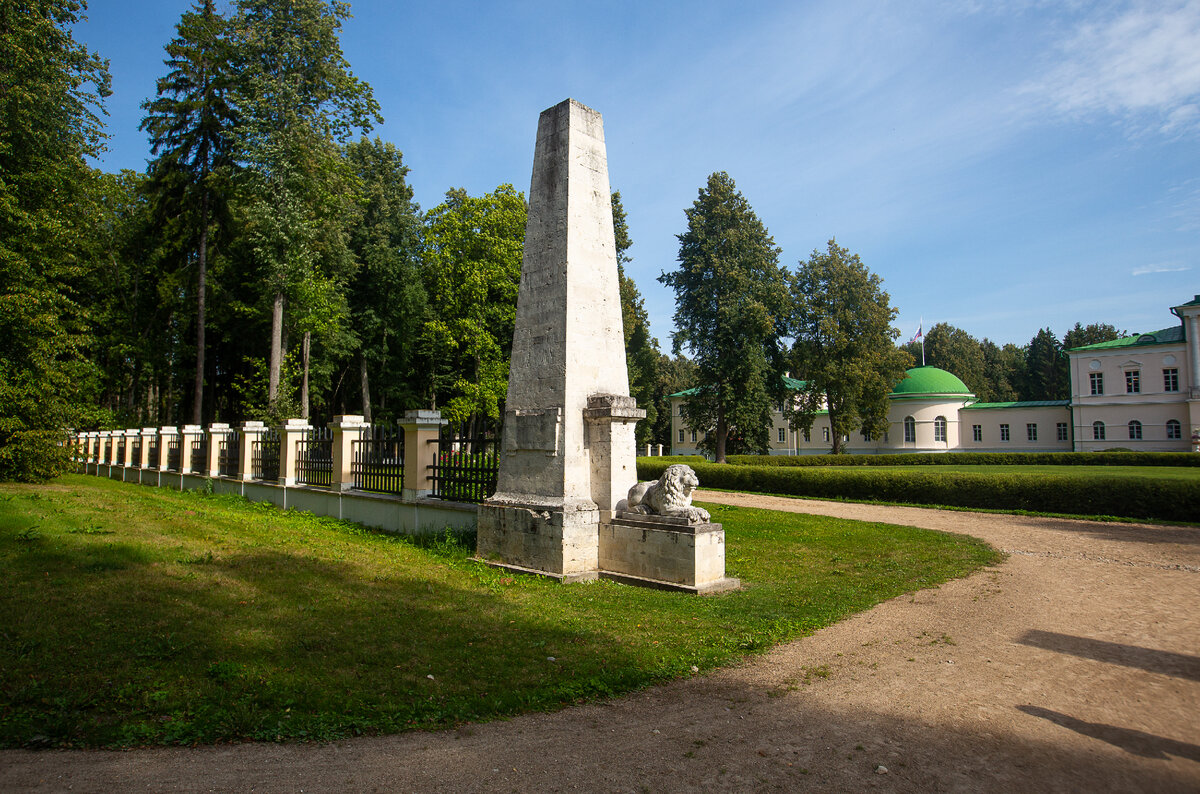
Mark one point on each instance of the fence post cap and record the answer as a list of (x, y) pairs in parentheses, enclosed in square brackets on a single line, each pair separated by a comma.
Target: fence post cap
[(301, 423), (133, 431), (345, 421), (146, 431), (167, 430), (423, 416), (219, 427), (192, 429), (252, 425)]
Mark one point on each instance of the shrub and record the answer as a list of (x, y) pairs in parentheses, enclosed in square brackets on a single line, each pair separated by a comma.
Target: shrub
[(1106, 458), (1167, 500)]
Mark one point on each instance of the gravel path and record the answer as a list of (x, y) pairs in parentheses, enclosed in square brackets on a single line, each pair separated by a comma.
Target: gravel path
[(1073, 665)]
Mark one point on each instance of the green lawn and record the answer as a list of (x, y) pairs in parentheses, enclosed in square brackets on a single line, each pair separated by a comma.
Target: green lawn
[(1187, 473), (134, 615)]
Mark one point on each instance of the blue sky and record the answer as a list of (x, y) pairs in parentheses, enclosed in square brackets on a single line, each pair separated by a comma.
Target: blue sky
[(1003, 166)]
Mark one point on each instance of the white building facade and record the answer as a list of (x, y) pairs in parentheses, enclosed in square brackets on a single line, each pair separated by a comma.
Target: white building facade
[(1140, 392)]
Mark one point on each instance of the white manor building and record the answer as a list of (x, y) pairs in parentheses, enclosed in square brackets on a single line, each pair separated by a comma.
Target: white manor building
[(1140, 392)]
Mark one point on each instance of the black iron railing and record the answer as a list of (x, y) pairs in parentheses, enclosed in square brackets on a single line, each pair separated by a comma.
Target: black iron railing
[(465, 468), (377, 461), (200, 455), (264, 456), (173, 454), (120, 458), (228, 454), (314, 458), (135, 452), (154, 453)]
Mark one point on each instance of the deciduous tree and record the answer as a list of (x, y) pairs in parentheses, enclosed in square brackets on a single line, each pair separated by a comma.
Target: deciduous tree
[(844, 345)]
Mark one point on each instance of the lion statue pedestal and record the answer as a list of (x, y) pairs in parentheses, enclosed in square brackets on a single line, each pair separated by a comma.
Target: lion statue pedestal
[(657, 538)]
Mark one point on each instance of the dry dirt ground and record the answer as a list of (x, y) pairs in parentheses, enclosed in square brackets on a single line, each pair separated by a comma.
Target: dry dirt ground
[(1072, 666)]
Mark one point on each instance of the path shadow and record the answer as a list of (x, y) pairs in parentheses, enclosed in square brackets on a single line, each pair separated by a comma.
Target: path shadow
[(1180, 665), (1147, 745)]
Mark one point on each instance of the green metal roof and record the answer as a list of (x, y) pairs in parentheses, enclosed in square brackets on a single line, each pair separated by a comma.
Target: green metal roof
[(1026, 404), (1193, 302), (791, 383), (924, 382), (1171, 335)]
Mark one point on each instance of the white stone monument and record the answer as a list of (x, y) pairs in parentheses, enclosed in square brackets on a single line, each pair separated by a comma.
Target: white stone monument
[(568, 452)]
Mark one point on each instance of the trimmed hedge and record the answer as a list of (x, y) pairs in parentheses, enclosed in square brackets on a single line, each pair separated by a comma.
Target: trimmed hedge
[(1164, 500), (973, 458)]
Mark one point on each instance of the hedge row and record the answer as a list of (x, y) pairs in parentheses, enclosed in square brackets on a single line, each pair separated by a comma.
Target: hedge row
[(1110, 458), (1144, 498)]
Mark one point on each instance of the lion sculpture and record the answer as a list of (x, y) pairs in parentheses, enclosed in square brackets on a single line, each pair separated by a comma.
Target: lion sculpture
[(670, 495)]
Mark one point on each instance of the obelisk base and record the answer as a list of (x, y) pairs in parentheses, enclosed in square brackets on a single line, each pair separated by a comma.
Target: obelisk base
[(556, 540)]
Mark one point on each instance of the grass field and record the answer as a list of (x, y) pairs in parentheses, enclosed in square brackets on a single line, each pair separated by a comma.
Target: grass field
[(132, 615)]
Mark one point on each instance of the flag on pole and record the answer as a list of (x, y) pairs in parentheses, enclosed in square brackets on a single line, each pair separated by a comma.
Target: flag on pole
[(917, 335)]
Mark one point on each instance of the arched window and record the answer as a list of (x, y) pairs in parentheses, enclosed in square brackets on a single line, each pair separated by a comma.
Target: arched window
[(1135, 430), (910, 429), (1174, 429), (939, 429), (1097, 431)]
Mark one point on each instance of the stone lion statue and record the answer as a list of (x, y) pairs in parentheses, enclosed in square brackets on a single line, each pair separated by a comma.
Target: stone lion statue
[(670, 495)]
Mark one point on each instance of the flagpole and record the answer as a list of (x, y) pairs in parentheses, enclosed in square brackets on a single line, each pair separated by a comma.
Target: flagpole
[(921, 327)]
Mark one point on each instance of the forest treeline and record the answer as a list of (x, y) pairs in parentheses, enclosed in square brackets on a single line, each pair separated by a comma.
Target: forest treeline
[(270, 261)]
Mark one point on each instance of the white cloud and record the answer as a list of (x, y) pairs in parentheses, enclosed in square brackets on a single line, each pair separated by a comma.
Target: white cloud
[(1141, 61), (1159, 268)]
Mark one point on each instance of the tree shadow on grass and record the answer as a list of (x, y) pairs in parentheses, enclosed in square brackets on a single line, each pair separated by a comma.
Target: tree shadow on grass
[(271, 644)]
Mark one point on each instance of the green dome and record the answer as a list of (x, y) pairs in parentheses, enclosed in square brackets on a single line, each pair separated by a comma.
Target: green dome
[(930, 382)]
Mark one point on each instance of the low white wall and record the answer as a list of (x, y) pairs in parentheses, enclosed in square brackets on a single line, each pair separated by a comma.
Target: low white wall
[(380, 511)]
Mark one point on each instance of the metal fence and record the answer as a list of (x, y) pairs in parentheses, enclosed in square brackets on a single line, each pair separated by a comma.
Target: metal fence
[(264, 456), (135, 453), (228, 453), (120, 458), (314, 458), (154, 453), (200, 455), (173, 455), (377, 461), (465, 469)]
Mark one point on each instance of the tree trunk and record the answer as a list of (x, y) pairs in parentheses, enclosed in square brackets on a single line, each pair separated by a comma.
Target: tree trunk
[(366, 386), (276, 349), (833, 433), (304, 382), (722, 435), (202, 267)]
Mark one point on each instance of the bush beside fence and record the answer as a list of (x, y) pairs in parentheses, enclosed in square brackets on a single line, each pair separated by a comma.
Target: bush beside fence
[(1076, 494)]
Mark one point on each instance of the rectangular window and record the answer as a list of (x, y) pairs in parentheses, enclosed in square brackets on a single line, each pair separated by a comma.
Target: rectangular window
[(1061, 430), (782, 435), (1133, 381), (1004, 432), (1097, 380), (977, 432), (693, 436), (807, 436), (825, 434), (1031, 432), (1171, 379), (885, 436), (681, 435)]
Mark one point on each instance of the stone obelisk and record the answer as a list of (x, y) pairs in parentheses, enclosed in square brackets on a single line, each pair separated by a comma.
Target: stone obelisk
[(568, 450)]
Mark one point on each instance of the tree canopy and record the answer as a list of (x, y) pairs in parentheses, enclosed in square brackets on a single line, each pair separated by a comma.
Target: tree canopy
[(731, 315), (844, 345)]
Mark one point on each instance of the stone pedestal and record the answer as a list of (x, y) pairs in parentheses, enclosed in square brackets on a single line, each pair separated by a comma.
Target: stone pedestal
[(166, 436), (149, 436), (217, 432), (665, 552)]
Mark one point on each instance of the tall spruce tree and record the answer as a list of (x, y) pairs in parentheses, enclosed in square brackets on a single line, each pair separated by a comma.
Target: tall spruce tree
[(731, 301), (845, 345), (190, 124), (641, 349), (296, 100), (51, 89)]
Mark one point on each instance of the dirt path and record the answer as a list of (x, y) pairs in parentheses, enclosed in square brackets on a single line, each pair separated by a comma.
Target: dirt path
[(1074, 665)]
